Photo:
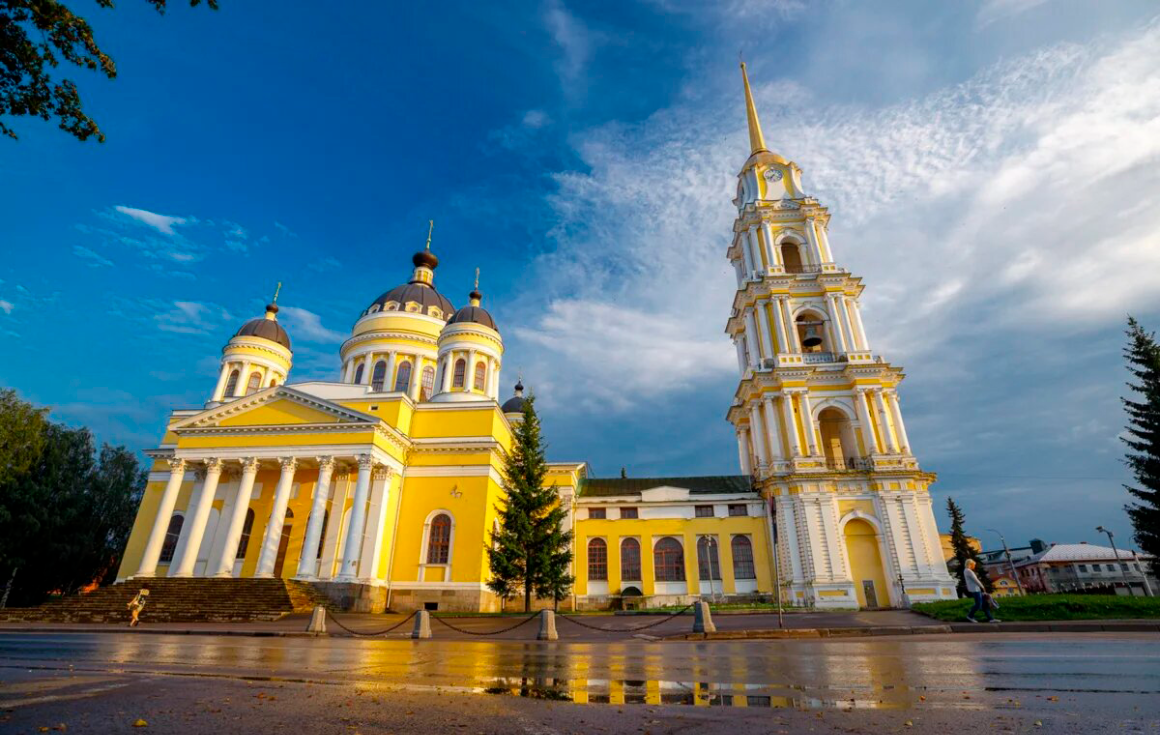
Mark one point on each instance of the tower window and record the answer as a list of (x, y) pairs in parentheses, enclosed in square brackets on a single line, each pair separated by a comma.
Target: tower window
[(403, 377), (460, 373), (669, 561), (232, 383), (358, 375), (439, 540), (791, 257), (379, 376), (254, 384), (597, 559), (428, 385), (480, 375)]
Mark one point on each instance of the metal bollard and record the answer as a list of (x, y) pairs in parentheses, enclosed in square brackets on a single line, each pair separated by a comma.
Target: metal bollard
[(702, 619), (422, 625), (547, 626), (317, 624)]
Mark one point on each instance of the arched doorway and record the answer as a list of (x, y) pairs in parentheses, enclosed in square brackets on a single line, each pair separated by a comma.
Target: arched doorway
[(838, 442), (866, 564), (283, 543)]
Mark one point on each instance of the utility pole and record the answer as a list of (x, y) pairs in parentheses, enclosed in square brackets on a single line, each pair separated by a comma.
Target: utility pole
[(1135, 558), (1123, 573), (1010, 563), (776, 561)]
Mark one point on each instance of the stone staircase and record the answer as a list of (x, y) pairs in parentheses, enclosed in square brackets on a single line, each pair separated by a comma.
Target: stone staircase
[(179, 601)]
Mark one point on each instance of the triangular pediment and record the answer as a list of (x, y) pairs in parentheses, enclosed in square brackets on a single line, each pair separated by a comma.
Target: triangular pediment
[(277, 406)]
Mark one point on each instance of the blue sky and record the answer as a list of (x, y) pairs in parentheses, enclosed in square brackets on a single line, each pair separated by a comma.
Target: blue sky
[(991, 167)]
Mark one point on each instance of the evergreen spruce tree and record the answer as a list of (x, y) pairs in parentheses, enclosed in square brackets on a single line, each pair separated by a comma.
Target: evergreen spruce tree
[(1143, 439), (963, 551), (530, 551)]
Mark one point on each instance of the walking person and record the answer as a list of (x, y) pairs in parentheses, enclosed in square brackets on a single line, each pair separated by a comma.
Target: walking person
[(976, 590), (136, 605)]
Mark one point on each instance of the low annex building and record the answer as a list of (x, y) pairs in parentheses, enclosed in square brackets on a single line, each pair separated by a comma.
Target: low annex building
[(381, 487)]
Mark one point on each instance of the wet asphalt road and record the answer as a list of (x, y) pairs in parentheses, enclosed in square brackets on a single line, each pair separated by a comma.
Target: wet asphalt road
[(187, 684)]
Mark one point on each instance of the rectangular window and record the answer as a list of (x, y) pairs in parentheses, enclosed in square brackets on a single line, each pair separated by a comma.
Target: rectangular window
[(597, 513), (1083, 568), (1124, 567), (738, 509), (1096, 568), (703, 511), (628, 513)]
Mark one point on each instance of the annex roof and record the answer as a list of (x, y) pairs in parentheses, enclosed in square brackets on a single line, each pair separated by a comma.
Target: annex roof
[(1078, 552), (610, 487)]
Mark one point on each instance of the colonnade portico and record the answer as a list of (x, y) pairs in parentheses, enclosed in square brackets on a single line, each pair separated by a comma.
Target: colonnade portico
[(355, 557)]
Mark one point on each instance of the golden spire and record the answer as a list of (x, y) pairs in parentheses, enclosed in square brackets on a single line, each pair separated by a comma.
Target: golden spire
[(277, 291), (476, 279), (430, 229), (756, 139), (272, 307)]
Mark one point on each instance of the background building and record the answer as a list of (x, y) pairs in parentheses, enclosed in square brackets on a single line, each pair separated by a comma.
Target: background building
[(1086, 567)]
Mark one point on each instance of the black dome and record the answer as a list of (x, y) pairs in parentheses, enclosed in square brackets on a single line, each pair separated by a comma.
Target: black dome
[(425, 258), (266, 329), (475, 314), (420, 293), (515, 404)]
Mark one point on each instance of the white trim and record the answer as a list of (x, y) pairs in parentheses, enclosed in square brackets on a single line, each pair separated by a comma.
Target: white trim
[(455, 471)]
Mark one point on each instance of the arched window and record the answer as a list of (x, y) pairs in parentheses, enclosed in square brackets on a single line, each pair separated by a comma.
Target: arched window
[(172, 534), (743, 558), (428, 385), (254, 384), (708, 561), (791, 257), (669, 560), (379, 376), (439, 540), (244, 541), (811, 330), (358, 375), (597, 559), (480, 375), (630, 560), (403, 377), (273, 382), (232, 383), (460, 373)]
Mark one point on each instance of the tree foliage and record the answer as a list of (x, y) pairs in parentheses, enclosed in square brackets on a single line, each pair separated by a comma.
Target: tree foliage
[(21, 433), (35, 37), (961, 545), (65, 518), (1143, 436), (530, 552)]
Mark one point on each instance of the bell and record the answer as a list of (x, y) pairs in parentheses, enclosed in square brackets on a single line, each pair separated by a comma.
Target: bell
[(811, 337)]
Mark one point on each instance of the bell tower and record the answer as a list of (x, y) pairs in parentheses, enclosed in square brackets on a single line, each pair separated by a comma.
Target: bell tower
[(817, 415)]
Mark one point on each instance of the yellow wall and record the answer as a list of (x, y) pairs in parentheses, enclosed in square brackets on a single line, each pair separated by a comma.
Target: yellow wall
[(866, 561)]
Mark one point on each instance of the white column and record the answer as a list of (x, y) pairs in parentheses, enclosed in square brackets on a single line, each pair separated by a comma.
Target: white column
[(896, 412), (469, 378), (795, 443), (220, 389), (743, 451), (751, 339), (743, 245), (772, 429), (779, 320), (307, 560), (808, 422), (771, 251), (152, 553), (868, 433), (348, 569), (741, 364), (824, 241), (223, 566), (815, 251), (376, 518), (416, 377), (448, 369), (838, 322), (755, 424), (269, 554), (332, 543), (856, 309), (751, 238), (495, 378), (348, 376), (763, 325), (790, 327), (368, 368), (195, 519), (243, 380), (884, 422)]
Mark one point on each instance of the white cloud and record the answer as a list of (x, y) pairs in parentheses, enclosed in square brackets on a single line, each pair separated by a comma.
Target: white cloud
[(536, 119), (306, 325), (285, 230), (6, 306), (574, 39), (325, 264), (163, 223), (95, 259), (191, 317), (995, 10), (1005, 201)]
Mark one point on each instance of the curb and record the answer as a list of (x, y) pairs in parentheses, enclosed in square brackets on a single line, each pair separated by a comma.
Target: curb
[(798, 633)]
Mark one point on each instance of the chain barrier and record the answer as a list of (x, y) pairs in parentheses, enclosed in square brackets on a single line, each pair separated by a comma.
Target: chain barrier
[(653, 624), (337, 622), (456, 628)]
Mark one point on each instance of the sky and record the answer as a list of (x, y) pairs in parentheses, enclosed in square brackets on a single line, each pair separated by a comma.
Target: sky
[(990, 166)]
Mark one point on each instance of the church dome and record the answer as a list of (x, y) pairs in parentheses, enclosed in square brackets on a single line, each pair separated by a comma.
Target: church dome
[(415, 292), (473, 312), (266, 327), (515, 404)]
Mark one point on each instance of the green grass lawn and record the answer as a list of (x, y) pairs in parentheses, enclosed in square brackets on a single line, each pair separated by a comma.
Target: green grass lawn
[(1050, 607)]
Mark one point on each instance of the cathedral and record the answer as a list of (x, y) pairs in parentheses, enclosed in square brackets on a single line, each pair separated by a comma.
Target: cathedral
[(380, 488)]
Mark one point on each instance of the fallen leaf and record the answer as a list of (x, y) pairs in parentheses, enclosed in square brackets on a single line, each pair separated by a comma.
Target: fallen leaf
[(908, 723), (140, 723)]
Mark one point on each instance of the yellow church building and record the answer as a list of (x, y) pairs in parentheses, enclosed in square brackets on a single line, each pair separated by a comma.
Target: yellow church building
[(380, 489)]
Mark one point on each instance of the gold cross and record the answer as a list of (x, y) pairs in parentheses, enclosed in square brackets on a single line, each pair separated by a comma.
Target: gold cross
[(430, 229), (277, 291)]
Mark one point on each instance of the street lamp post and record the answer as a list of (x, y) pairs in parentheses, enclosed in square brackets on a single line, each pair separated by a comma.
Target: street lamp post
[(1143, 575), (1010, 563), (1119, 564), (776, 562)]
